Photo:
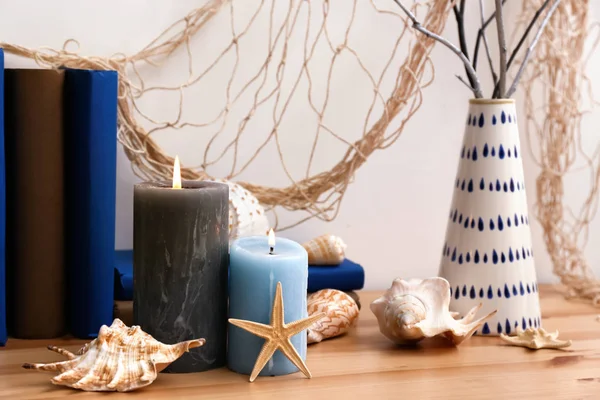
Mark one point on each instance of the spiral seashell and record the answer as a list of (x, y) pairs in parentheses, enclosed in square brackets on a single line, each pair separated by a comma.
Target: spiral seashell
[(410, 311), (341, 314), (246, 215), (120, 359), (325, 250)]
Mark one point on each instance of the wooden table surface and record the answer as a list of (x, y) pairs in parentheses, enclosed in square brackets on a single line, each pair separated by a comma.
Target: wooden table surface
[(364, 364)]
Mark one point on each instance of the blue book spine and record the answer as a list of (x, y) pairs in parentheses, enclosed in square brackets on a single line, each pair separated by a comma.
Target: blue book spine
[(90, 164), (3, 333)]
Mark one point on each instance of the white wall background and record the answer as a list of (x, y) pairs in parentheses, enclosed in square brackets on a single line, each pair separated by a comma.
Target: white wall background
[(394, 215)]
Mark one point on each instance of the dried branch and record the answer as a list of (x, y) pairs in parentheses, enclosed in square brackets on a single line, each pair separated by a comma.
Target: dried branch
[(526, 33), (521, 41), (480, 35), (502, 45), (531, 47), (459, 14), (469, 68), (485, 44), (460, 78)]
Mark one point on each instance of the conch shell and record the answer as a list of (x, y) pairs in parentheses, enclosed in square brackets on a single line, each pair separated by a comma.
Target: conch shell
[(325, 250), (413, 310), (119, 359), (536, 339), (341, 313)]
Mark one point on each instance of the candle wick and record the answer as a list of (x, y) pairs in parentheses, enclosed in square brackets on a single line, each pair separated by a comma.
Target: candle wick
[(271, 250)]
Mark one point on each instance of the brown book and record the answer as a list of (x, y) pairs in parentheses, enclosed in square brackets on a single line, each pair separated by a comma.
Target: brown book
[(35, 216)]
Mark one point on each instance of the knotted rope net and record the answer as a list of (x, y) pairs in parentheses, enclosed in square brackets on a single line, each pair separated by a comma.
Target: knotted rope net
[(557, 66), (318, 194), (557, 71)]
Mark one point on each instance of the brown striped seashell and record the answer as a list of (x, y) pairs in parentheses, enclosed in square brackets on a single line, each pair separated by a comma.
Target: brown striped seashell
[(120, 359), (341, 313), (325, 250), (410, 311)]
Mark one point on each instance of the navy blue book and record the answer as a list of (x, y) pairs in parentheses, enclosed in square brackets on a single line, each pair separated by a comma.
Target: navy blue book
[(90, 116), (3, 333), (345, 277)]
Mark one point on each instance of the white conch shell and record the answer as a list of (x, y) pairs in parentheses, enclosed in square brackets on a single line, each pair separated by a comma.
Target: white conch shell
[(536, 339), (412, 310), (119, 359), (246, 215), (341, 313), (325, 250)]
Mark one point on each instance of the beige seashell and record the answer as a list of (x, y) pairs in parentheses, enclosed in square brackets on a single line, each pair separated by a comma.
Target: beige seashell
[(246, 215), (325, 250), (119, 359), (341, 313), (536, 338), (413, 310)]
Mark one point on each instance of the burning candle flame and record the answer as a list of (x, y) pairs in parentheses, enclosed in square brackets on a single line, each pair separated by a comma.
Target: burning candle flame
[(271, 241), (176, 174)]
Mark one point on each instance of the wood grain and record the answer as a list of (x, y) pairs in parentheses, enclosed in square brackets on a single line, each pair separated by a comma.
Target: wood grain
[(364, 364)]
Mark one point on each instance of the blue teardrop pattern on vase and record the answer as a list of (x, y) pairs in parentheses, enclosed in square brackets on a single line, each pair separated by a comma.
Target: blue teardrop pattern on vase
[(501, 153), (499, 186), (502, 291), (469, 222), (486, 329), (474, 120), (497, 256), (508, 325)]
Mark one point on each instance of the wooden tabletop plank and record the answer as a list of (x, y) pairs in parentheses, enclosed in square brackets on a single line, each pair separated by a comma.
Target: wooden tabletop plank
[(366, 364)]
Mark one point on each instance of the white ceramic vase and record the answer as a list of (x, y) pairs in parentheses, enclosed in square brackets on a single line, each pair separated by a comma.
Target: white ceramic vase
[(487, 256)]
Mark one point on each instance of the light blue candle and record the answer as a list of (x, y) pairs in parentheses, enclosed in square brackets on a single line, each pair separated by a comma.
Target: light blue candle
[(253, 277)]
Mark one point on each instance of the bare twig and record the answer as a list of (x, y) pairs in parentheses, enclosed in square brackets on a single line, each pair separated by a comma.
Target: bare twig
[(485, 44), (480, 35), (470, 71), (502, 45), (521, 41), (459, 14), (531, 47), (460, 78), (526, 33)]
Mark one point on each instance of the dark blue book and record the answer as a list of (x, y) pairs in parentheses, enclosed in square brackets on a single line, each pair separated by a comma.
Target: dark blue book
[(90, 116), (3, 334), (345, 277), (124, 275)]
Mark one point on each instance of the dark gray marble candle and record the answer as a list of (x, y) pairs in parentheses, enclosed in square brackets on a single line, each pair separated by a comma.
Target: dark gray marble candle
[(180, 268)]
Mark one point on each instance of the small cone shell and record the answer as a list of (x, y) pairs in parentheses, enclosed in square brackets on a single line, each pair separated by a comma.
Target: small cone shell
[(341, 312), (325, 250), (120, 359)]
